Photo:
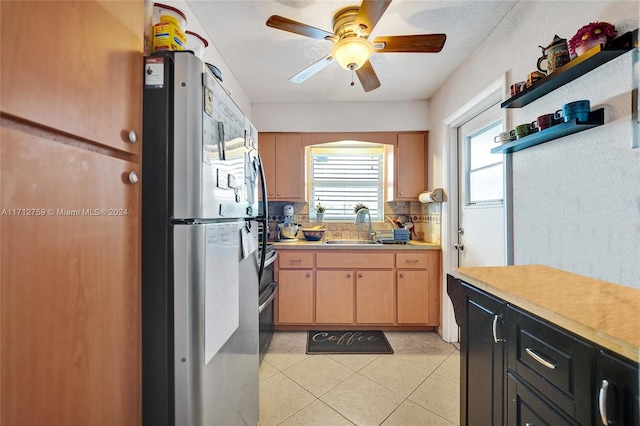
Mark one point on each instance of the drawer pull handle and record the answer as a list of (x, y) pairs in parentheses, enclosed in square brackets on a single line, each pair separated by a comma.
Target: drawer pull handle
[(412, 261), (295, 260), (495, 330), (540, 359), (602, 402)]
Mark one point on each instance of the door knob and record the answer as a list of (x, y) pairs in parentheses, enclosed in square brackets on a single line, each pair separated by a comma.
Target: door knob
[(134, 178), (458, 246)]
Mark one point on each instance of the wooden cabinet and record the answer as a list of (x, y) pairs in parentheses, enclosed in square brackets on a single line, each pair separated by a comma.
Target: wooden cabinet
[(70, 284), (418, 287), (375, 297), (75, 67), (335, 297), (411, 166), (283, 160), (390, 288), (295, 299), (70, 343)]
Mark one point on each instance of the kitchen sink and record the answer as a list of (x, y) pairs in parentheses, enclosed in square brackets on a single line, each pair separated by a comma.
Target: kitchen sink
[(350, 242)]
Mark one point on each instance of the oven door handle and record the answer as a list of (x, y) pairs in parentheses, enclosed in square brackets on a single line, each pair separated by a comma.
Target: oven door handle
[(271, 259), (270, 299)]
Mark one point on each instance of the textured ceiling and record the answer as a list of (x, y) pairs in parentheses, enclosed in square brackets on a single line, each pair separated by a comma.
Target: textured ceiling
[(262, 58)]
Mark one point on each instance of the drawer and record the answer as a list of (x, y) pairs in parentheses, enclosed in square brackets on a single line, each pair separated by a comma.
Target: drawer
[(355, 260), (288, 259), (412, 260), (555, 363), (524, 407)]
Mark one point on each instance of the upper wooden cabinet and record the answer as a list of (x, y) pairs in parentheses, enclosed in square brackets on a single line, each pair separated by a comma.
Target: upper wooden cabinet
[(283, 161), (410, 166), (75, 66)]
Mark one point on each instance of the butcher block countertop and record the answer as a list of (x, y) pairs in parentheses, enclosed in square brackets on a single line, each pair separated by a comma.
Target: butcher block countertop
[(319, 245), (605, 313)]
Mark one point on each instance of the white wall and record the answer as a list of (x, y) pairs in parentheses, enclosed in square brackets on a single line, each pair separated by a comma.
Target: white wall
[(576, 199), (341, 117)]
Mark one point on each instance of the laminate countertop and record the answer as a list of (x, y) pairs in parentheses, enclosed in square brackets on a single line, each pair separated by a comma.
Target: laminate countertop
[(303, 244), (605, 313)]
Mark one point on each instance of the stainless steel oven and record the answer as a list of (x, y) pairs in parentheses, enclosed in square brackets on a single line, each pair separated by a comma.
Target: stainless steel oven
[(267, 291)]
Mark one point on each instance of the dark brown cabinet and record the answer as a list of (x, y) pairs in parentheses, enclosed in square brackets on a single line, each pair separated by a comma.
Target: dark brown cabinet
[(482, 354), (519, 369), (618, 393)]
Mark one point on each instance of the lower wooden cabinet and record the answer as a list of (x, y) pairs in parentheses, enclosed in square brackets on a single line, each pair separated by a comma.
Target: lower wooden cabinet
[(335, 297), (389, 288), (70, 284), (296, 298), (374, 302)]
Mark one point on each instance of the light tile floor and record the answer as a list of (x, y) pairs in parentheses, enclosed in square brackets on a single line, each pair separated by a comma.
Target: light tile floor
[(418, 385)]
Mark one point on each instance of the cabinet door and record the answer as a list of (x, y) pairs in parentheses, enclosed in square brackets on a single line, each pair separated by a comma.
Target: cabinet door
[(374, 297), (411, 166), (413, 297), (79, 70), (70, 285), (289, 168), (482, 355), (267, 149), (618, 398), (295, 297), (334, 297)]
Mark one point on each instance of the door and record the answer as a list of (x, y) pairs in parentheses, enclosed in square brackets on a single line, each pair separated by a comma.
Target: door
[(481, 224), (482, 354), (215, 324)]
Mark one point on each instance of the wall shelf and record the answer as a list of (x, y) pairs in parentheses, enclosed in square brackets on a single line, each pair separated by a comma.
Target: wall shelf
[(596, 118), (574, 69)]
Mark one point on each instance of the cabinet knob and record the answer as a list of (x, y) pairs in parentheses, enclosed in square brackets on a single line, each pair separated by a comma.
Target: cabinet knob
[(401, 193), (134, 178), (359, 275), (278, 194), (349, 275), (133, 136), (308, 274), (271, 194), (401, 275)]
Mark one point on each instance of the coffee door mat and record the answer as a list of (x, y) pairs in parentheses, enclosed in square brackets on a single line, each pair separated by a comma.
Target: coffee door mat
[(347, 342)]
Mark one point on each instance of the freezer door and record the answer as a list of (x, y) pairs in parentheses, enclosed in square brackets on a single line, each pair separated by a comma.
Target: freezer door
[(214, 165), (216, 324)]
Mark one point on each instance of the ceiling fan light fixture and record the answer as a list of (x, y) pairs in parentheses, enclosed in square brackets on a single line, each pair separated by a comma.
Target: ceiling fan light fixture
[(352, 52)]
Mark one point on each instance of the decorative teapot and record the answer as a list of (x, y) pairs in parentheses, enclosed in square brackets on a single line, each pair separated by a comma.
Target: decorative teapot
[(556, 55)]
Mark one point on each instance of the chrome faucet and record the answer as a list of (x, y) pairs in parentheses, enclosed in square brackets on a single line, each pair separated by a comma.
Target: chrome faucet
[(360, 219)]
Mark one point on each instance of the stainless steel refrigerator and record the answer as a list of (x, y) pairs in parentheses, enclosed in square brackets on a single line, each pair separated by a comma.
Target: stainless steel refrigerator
[(200, 271)]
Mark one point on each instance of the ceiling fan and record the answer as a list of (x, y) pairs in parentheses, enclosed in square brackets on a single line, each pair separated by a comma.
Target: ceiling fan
[(352, 48)]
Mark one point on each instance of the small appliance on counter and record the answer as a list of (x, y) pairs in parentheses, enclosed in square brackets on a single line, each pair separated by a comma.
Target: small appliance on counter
[(288, 229)]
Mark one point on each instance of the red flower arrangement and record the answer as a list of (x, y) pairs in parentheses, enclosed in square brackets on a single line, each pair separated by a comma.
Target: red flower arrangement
[(593, 31)]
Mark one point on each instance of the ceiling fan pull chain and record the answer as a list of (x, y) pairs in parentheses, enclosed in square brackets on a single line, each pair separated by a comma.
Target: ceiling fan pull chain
[(352, 83)]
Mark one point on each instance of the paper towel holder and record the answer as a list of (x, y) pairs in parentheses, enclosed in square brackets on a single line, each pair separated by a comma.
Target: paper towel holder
[(433, 196)]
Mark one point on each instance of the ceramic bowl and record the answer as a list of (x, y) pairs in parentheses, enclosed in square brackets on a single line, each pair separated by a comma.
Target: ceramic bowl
[(313, 234)]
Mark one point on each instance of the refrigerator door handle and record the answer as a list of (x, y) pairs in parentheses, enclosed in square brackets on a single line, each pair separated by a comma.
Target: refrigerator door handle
[(264, 218)]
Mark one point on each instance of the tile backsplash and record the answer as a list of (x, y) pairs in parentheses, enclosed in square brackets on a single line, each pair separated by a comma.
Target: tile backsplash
[(425, 218)]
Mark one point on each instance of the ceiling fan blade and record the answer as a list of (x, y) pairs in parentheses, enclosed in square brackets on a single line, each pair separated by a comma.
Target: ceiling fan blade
[(368, 77), (286, 24), (430, 43), (311, 69), (369, 14)]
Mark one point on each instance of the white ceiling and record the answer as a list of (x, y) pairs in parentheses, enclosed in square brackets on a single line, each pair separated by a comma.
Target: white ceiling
[(262, 58)]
